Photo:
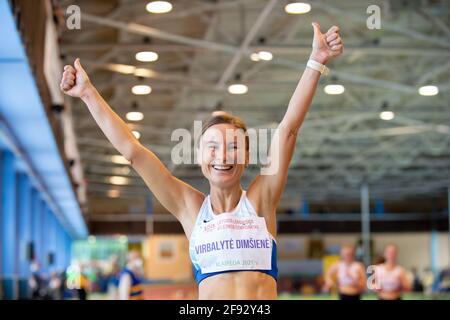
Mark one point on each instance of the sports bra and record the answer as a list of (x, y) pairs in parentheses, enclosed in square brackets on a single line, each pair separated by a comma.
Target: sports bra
[(346, 274), (389, 280), (231, 241)]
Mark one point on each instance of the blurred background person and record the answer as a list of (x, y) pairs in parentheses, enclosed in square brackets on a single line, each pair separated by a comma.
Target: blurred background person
[(391, 279), (347, 274), (114, 277), (54, 285), (130, 283), (443, 281), (428, 280), (83, 288), (36, 281), (417, 285)]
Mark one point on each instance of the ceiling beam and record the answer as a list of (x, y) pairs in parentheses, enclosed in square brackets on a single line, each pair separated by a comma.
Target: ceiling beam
[(389, 26), (68, 48), (149, 31), (244, 47)]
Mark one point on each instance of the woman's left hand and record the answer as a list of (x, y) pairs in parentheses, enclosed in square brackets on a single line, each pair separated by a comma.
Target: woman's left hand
[(326, 45)]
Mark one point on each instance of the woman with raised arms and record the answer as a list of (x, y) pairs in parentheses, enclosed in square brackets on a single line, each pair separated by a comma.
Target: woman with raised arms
[(231, 231)]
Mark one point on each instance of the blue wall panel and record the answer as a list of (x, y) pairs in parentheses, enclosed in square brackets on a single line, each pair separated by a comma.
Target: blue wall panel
[(9, 222), (24, 224), (38, 205)]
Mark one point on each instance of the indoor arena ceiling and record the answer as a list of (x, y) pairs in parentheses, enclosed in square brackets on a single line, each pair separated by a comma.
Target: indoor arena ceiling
[(204, 46)]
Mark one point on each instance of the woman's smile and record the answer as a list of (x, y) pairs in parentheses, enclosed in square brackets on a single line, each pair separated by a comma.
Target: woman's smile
[(222, 168)]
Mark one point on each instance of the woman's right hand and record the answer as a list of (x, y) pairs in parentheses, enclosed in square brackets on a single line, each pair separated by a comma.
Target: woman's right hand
[(75, 82)]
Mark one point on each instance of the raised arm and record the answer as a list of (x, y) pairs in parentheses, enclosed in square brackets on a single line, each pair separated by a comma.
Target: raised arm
[(161, 182), (325, 47)]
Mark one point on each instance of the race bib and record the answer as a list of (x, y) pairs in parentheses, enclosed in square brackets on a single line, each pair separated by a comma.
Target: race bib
[(233, 243)]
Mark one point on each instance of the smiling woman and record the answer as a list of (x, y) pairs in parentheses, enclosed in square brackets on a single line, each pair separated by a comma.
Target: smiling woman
[(247, 267), (211, 137), (222, 153)]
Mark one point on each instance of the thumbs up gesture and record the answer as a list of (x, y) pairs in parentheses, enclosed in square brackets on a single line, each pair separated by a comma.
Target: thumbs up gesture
[(75, 82), (326, 45)]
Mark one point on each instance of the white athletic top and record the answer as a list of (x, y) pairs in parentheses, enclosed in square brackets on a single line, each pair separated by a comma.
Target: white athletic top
[(389, 280), (347, 275), (231, 241)]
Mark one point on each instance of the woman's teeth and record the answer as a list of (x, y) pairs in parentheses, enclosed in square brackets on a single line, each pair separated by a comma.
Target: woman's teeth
[(222, 167)]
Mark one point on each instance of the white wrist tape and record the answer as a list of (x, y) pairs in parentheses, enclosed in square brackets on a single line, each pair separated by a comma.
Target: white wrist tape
[(323, 69)]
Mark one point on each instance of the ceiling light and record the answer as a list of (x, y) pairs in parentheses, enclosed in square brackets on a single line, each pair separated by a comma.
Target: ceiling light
[(334, 89), (119, 159), (136, 134), (123, 171), (254, 56), (159, 7), (144, 73), (297, 8), (428, 90), (141, 89), (146, 56), (237, 88), (121, 68), (118, 180), (265, 55), (387, 115), (135, 116)]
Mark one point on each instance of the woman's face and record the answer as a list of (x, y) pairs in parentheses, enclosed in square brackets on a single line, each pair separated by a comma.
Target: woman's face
[(390, 254), (347, 254), (222, 154)]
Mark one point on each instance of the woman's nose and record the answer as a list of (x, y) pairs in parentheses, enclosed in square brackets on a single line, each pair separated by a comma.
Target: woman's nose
[(220, 155)]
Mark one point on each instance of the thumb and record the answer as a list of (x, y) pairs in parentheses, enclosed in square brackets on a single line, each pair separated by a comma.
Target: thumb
[(77, 65), (316, 28)]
